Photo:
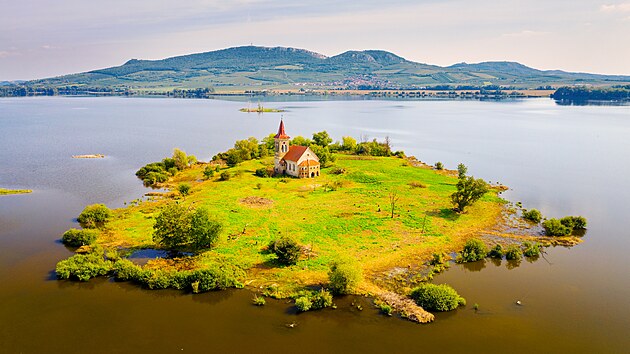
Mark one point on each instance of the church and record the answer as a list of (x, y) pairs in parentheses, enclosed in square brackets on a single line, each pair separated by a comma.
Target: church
[(296, 161)]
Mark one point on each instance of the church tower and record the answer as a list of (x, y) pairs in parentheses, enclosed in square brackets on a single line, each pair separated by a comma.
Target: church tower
[(281, 148)]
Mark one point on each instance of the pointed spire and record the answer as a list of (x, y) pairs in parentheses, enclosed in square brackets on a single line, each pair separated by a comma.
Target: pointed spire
[(281, 134)]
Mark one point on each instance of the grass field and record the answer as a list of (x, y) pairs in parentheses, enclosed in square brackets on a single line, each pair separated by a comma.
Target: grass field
[(354, 220)]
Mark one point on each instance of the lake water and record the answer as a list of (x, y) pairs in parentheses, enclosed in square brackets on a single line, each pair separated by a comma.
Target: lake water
[(562, 160)]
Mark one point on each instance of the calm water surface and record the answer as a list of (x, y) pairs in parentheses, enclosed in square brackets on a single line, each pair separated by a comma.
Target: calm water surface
[(560, 159)]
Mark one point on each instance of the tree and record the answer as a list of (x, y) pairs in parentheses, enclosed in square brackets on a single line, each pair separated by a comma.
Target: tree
[(178, 228), (204, 231), (461, 170), (554, 227), (532, 215), (301, 141), (322, 138), (248, 149), (343, 276), (208, 172), (94, 215), (324, 155), (348, 144), (469, 190), (393, 199), (183, 189), (180, 158), (287, 250), (474, 250), (439, 166)]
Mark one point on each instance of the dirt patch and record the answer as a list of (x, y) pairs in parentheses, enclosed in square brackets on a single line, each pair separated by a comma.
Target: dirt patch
[(406, 307), (257, 202)]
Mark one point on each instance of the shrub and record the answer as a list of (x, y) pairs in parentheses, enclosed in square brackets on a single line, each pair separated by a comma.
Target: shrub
[(321, 299), (286, 249), (437, 297), (474, 250), (496, 252), (124, 269), (574, 222), (439, 166), (461, 171), (216, 277), (177, 228), (532, 215), (259, 300), (344, 276), (83, 266), (416, 184), (338, 171), (78, 238), (303, 303), (183, 189), (553, 227), (208, 172), (469, 190), (262, 172), (385, 308), (94, 215), (513, 253), (225, 176), (532, 249)]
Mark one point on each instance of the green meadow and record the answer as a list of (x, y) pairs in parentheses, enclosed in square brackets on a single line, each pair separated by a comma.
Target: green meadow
[(337, 215)]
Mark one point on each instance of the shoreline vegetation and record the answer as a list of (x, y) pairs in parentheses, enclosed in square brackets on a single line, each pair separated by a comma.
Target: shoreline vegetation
[(4, 191), (375, 223)]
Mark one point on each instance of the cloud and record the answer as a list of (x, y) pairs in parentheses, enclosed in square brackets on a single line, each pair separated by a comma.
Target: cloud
[(622, 7)]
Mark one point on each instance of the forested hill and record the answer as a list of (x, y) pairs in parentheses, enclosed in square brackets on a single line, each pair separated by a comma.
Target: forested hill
[(259, 68)]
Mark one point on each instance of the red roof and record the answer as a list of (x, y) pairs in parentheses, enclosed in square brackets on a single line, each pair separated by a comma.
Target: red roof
[(281, 134), (294, 153), (309, 163)]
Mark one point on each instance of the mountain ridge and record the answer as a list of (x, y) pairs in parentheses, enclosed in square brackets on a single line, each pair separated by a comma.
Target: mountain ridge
[(254, 67)]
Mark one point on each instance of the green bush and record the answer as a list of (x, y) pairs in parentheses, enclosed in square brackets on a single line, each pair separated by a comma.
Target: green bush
[(224, 176), (183, 188), (321, 299), (124, 269), (474, 250), (461, 171), (574, 222), (385, 308), (553, 227), (83, 266), (344, 276), (469, 190), (496, 252), (262, 172), (78, 238), (532, 249), (208, 172), (217, 277), (259, 300), (94, 215), (433, 297), (287, 250), (303, 303), (178, 228), (513, 253), (532, 215), (439, 166)]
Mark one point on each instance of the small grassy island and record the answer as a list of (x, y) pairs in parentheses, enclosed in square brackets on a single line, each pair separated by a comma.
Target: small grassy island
[(4, 191), (261, 109), (373, 222)]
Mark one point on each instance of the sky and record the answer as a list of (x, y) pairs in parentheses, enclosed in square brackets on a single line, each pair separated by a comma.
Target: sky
[(43, 38)]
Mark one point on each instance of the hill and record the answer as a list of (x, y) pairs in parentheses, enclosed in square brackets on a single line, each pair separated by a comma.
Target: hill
[(259, 68)]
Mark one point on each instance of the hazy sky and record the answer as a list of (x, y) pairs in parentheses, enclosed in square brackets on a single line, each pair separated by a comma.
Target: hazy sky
[(43, 38)]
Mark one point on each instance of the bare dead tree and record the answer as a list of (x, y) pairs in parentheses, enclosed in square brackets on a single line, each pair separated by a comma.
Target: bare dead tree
[(393, 200)]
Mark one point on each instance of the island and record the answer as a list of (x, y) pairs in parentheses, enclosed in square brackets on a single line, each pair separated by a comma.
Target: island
[(261, 109), (308, 219), (4, 191)]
